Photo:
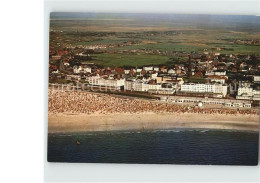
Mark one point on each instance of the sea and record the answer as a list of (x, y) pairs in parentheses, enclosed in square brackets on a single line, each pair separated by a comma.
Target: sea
[(178, 146)]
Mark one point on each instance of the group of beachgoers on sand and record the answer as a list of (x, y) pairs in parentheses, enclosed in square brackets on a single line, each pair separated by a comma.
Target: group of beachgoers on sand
[(81, 102)]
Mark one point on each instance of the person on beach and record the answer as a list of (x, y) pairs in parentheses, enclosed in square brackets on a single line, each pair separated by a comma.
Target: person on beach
[(89, 103)]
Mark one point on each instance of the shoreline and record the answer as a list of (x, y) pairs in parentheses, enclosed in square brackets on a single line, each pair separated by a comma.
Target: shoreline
[(68, 122)]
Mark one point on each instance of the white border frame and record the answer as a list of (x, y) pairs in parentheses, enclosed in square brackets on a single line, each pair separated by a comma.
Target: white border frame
[(75, 172)]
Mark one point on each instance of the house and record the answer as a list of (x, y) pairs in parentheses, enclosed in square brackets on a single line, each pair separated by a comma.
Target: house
[(127, 71), (138, 70), (179, 71), (220, 73), (77, 69), (143, 72), (218, 79), (163, 69), (55, 71), (156, 69), (171, 71), (119, 70), (159, 79), (66, 62), (132, 72), (87, 69), (243, 64), (154, 75), (148, 68), (256, 78)]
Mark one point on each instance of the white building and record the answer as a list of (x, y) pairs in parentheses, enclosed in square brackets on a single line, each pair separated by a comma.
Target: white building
[(220, 73), (154, 75), (154, 87), (156, 69), (99, 81), (209, 101), (77, 69), (87, 69), (218, 79), (127, 71), (246, 92), (138, 70), (238, 104), (256, 78), (55, 72), (80, 69), (204, 88), (216, 72), (66, 63), (136, 85), (149, 68), (171, 71)]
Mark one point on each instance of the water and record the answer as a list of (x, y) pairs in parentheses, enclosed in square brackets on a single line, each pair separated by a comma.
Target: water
[(162, 147)]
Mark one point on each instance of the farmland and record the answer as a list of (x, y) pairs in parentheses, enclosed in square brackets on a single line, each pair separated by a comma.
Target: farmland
[(119, 33)]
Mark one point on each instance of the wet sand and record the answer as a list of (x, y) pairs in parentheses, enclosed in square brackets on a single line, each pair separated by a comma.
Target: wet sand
[(69, 122)]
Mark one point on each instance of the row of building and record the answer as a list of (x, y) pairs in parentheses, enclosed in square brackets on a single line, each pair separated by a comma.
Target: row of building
[(157, 87), (157, 84), (180, 69), (204, 101)]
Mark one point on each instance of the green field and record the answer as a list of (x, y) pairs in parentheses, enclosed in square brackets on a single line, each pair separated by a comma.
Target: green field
[(171, 35), (129, 59), (185, 42)]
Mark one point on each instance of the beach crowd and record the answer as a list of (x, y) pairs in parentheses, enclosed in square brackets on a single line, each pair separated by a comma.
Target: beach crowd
[(81, 102)]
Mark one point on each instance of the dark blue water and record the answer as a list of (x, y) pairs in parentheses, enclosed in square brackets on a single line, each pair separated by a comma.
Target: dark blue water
[(163, 147)]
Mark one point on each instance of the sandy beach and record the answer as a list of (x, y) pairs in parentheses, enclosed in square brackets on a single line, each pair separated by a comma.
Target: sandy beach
[(83, 111), (147, 121)]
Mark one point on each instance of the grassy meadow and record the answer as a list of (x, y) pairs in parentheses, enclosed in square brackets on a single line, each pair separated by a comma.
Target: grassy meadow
[(148, 34)]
